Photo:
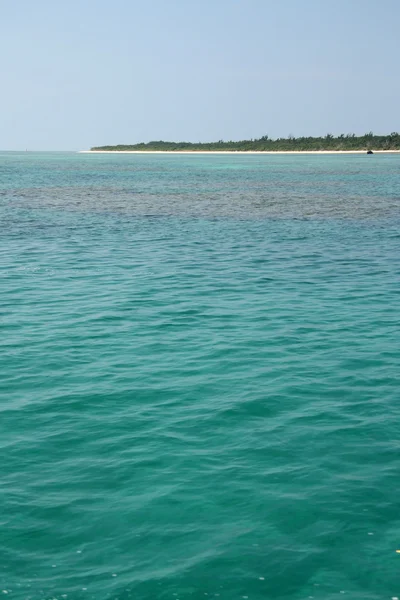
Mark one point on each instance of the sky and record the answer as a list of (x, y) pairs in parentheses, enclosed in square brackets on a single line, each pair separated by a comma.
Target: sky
[(82, 73)]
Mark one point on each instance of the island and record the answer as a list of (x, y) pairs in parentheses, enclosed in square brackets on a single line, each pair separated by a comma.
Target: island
[(329, 143)]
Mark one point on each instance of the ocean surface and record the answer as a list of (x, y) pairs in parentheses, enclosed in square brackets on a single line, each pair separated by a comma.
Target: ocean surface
[(200, 377)]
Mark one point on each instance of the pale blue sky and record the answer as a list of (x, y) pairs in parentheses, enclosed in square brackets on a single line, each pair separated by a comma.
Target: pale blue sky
[(79, 73)]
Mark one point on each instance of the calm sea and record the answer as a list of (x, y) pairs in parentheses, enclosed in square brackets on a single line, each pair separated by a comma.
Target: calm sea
[(200, 377)]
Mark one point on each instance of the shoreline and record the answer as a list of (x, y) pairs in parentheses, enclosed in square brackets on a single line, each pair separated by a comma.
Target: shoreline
[(236, 151)]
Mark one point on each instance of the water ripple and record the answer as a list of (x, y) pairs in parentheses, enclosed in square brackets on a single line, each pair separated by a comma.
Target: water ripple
[(202, 404)]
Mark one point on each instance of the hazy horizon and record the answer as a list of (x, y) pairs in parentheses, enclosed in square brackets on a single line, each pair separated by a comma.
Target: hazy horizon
[(77, 76), (173, 141)]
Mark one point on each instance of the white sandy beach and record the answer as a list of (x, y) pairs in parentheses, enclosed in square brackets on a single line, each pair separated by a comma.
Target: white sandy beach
[(236, 152)]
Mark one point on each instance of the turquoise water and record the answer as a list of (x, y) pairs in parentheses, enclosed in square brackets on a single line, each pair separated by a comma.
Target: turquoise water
[(200, 375)]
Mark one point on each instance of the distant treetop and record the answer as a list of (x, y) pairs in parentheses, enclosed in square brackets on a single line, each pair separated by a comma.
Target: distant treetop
[(368, 141)]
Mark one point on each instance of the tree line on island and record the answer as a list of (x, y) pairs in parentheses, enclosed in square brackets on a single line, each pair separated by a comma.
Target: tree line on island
[(349, 142)]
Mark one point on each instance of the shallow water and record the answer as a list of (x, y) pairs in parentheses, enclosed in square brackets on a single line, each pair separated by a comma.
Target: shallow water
[(200, 376)]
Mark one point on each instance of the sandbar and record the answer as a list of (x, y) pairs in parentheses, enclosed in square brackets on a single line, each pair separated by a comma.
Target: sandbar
[(236, 151)]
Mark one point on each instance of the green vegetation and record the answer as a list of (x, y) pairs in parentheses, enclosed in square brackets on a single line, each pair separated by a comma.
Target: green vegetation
[(369, 141)]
